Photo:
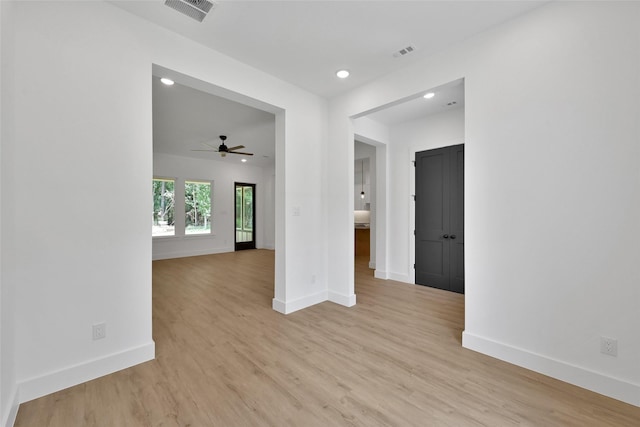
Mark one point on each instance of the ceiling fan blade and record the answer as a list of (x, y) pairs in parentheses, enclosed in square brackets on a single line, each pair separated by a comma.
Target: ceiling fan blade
[(237, 147), (238, 152)]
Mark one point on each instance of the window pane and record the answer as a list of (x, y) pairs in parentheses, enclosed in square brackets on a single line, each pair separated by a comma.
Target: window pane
[(238, 208), (197, 207), (244, 213), (247, 223), (163, 202)]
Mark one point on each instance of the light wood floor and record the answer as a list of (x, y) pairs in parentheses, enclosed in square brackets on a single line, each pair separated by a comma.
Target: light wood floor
[(225, 358)]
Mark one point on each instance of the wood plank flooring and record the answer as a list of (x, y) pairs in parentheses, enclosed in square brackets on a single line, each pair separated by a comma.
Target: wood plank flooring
[(225, 358)]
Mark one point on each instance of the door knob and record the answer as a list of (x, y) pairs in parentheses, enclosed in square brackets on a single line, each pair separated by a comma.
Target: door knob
[(453, 236), (446, 236)]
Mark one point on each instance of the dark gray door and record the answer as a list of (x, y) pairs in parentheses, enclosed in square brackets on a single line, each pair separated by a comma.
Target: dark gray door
[(440, 218)]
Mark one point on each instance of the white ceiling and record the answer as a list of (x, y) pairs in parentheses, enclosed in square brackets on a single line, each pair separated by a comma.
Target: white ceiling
[(446, 97), (304, 43), (186, 119)]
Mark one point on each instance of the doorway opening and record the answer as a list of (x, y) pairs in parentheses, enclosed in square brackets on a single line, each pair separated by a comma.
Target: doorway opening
[(188, 118), (245, 218), (364, 214), (405, 127)]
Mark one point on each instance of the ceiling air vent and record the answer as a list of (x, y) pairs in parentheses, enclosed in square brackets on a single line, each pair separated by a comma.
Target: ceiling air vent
[(404, 51), (196, 9)]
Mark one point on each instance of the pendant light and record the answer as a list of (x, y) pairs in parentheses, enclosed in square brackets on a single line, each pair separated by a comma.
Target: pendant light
[(362, 192)]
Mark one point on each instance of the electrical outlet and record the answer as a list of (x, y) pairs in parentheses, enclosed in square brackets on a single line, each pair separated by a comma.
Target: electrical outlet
[(609, 346), (99, 331)]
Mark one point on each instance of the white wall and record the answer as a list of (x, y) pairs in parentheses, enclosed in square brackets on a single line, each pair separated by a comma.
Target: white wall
[(365, 157), (81, 167), (269, 208), (361, 183), (552, 101), (223, 174), (434, 131), (8, 386)]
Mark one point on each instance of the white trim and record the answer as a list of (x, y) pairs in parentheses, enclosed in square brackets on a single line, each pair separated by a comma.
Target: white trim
[(346, 300), (279, 306), (372, 265), (581, 377), (380, 274), (398, 277), (412, 213), (12, 412), (36, 387), (174, 237), (298, 304), (184, 254)]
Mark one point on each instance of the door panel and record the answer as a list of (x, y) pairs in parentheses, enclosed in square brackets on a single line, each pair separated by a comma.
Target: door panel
[(433, 219), (439, 236), (434, 259)]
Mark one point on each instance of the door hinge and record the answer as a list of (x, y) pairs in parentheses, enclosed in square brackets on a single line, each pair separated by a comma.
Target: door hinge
[(414, 163), (414, 266), (414, 197), (414, 232)]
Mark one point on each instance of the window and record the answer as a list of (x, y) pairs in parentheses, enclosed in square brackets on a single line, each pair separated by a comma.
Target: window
[(163, 203), (197, 207)]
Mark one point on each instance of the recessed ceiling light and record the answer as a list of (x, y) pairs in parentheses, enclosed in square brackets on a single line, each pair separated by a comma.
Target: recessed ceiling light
[(342, 74), (429, 95), (166, 81), (244, 160)]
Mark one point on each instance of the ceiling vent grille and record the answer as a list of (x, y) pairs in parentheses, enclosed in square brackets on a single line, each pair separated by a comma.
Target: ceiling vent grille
[(196, 9), (404, 51)]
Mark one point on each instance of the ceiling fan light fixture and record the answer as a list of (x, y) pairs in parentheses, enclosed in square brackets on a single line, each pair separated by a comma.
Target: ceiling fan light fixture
[(223, 149)]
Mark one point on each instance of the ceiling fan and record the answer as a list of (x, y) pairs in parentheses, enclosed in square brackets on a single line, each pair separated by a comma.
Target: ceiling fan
[(223, 149)]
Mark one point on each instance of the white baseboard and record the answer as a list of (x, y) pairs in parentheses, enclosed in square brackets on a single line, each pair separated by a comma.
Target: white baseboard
[(12, 411), (594, 381), (298, 304), (372, 265), (346, 300), (36, 387), (279, 306), (399, 277), (386, 275), (379, 274), (184, 254)]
